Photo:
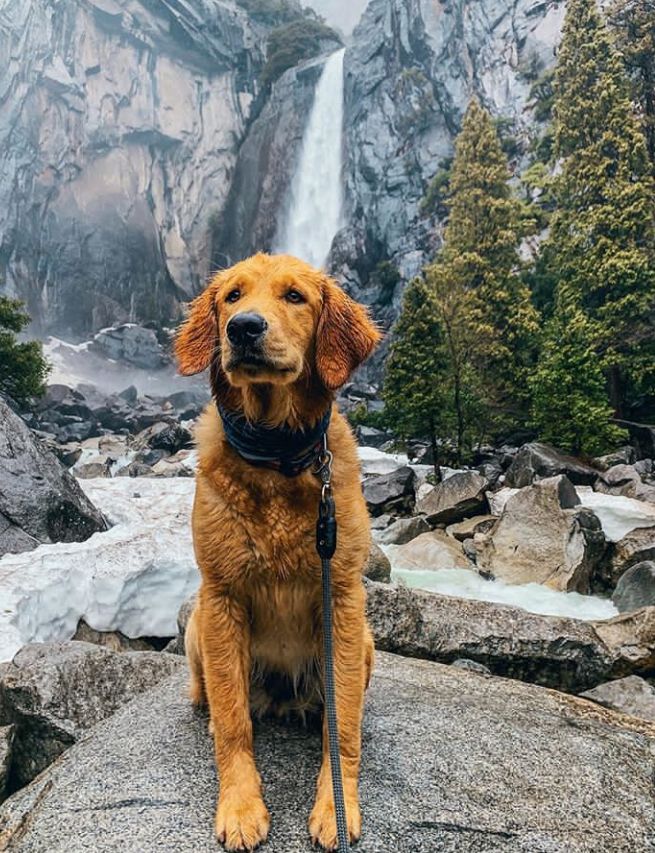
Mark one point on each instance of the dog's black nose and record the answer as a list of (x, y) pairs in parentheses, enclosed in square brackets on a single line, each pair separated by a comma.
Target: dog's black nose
[(246, 328)]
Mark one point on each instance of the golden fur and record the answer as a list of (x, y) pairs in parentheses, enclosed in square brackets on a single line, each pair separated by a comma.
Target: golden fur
[(258, 614)]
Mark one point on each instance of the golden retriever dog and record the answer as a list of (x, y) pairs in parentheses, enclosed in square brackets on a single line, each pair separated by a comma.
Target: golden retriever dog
[(279, 338)]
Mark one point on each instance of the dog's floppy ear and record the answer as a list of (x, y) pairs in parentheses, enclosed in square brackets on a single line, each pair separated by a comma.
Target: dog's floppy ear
[(344, 338), (196, 339)]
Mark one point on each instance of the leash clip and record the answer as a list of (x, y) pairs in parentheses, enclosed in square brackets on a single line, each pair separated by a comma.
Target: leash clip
[(326, 524)]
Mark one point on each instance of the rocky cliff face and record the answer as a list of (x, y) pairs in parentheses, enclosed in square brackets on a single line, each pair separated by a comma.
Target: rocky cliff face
[(136, 149), (411, 70), (119, 128)]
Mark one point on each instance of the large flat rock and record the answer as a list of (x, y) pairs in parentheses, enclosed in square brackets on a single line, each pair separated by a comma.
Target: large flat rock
[(452, 761)]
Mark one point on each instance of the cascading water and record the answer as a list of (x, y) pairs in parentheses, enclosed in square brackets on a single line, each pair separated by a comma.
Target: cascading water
[(315, 204)]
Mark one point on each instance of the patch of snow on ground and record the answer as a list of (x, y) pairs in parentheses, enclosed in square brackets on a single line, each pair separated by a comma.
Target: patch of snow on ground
[(618, 515), (533, 597), (133, 578)]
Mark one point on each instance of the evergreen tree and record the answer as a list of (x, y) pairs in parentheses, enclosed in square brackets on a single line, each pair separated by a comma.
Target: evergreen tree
[(602, 240), (477, 271), (416, 384), (570, 406), (634, 24), (23, 369)]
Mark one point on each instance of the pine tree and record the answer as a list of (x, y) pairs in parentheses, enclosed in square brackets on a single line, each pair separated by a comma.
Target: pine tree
[(23, 369), (416, 383), (570, 406), (602, 241), (477, 271), (633, 22)]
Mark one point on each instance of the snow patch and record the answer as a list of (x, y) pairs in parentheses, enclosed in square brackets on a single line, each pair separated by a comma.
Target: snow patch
[(133, 578)]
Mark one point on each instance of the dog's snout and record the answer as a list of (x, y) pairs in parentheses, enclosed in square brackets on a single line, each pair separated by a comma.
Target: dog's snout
[(246, 328)]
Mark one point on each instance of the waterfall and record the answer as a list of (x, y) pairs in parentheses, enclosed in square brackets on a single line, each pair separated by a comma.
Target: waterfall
[(315, 202)]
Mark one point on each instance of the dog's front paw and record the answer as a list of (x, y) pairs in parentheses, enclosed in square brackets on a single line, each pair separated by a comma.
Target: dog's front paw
[(242, 821), (323, 822)]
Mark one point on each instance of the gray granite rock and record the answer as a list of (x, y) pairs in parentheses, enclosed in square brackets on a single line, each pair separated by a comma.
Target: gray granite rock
[(636, 587), (6, 743), (544, 536), (403, 530), (451, 762), (566, 654), (456, 498), (39, 500), (631, 695), (53, 692), (378, 567), (536, 460)]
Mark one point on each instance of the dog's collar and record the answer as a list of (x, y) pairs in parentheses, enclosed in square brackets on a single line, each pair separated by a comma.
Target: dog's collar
[(289, 451)]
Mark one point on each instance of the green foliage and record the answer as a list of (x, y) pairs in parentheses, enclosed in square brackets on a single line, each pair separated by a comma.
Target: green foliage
[(542, 96), (434, 202), (23, 370), (362, 416), (633, 22), (601, 248), (292, 43), (570, 406), (464, 342), (417, 400), (480, 261)]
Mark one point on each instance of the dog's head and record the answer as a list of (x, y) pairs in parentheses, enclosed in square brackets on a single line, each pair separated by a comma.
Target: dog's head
[(274, 319)]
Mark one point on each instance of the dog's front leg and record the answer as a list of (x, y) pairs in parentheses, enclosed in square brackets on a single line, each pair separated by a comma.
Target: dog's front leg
[(242, 819), (350, 677)]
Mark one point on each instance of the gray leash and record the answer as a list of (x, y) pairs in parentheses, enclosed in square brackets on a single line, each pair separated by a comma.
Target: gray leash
[(326, 543)]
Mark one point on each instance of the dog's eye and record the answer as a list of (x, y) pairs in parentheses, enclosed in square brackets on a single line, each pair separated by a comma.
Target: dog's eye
[(233, 296), (294, 296)]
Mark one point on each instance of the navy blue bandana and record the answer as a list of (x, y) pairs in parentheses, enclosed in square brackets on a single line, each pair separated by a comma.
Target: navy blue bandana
[(289, 451)]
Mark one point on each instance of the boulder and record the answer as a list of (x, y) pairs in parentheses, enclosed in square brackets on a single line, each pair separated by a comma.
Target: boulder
[(631, 695), (132, 344), (459, 496), (635, 547), (164, 436), (625, 480), (544, 536), (39, 499), (370, 436), (622, 456), (448, 764), (392, 492), (535, 461), (378, 567), (636, 587), (630, 638), (466, 529), (558, 652), (403, 530), (53, 692), (6, 742), (497, 500), (433, 550)]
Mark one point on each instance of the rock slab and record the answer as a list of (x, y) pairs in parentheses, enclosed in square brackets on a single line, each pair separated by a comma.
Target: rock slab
[(39, 500), (451, 762)]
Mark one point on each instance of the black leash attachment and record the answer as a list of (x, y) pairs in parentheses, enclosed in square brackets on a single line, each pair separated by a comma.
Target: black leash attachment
[(326, 544)]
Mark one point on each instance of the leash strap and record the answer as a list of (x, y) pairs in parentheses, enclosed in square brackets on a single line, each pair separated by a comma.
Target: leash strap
[(326, 544)]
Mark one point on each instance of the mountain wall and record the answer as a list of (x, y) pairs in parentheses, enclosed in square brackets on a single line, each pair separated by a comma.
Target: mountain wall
[(411, 69), (120, 121)]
